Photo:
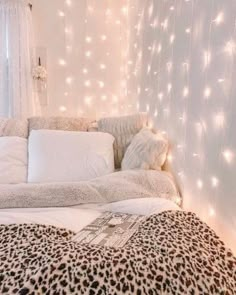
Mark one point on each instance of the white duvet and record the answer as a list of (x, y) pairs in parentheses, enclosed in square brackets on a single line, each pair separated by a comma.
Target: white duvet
[(75, 205), (77, 217)]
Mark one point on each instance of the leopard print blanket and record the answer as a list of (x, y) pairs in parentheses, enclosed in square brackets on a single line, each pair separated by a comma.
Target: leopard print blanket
[(171, 253)]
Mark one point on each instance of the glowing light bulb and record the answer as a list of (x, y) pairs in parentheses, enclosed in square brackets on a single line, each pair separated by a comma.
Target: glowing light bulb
[(159, 48), (147, 108), (68, 2), (172, 8), (102, 66), (207, 92), (101, 84), (170, 158), (221, 80), (88, 53), (62, 109), (103, 37), (68, 31), (207, 58), (169, 87), (160, 95), (188, 31), (164, 24), (62, 62), (185, 91), (150, 10), (172, 38), (87, 83), (69, 80), (87, 100), (104, 97), (214, 181), (199, 183), (88, 39), (61, 13), (85, 71), (156, 113), (90, 8), (228, 156), (212, 212), (219, 18), (124, 10)]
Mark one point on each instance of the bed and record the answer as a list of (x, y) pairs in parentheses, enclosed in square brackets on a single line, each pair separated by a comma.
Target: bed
[(120, 233)]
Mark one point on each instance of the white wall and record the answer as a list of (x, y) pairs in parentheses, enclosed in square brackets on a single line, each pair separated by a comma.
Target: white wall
[(66, 31), (185, 50), (167, 57)]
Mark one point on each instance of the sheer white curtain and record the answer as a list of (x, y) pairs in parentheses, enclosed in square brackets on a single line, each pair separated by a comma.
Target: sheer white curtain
[(17, 98)]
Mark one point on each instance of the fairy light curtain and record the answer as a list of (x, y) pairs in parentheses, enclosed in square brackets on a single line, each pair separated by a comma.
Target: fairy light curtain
[(174, 59), (187, 86), (87, 45)]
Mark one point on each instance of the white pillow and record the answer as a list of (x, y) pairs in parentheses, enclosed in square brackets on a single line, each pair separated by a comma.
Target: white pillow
[(69, 156), (147, 150), (13, 160)]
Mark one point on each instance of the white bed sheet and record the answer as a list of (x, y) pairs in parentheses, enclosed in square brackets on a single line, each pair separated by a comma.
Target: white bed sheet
[(76, 218)]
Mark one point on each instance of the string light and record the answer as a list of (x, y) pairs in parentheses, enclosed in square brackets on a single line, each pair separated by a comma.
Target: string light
[(214, 182), (207, 58), (185, 91), (228, 156), (88, 39), (102, 66), (87, 83), (61, 13), (103, 37), (207, 92), (157, 59), (212, 212), (68, 2), (85, 70), (219, 19), (62, 62), (62, 109), (172, 38), (101, 84), (69, 80), (200, 184), (88, 53)]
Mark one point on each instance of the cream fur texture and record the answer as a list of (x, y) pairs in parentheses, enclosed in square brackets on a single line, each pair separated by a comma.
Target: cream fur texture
[(148, 150), (123, 129), (60, 123), (13, 127)]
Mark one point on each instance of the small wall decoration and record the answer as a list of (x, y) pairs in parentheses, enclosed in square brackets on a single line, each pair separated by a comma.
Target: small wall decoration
[(40, 76)]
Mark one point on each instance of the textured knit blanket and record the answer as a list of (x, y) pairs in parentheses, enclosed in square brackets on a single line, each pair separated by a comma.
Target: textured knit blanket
[(171, 253), (113, 187)]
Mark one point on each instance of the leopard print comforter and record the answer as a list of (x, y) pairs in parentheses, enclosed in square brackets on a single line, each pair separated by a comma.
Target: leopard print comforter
[(171, 253)]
